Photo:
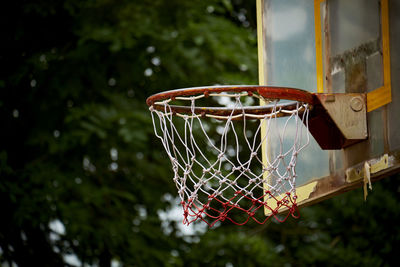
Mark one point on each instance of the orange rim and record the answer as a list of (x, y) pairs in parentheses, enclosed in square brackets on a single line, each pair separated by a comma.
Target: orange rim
[(267, 92)]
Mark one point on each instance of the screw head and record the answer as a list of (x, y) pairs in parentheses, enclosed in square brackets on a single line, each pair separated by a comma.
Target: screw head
[(356, 104)]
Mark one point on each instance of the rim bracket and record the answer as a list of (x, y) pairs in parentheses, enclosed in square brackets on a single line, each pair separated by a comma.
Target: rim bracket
[(339, 120)]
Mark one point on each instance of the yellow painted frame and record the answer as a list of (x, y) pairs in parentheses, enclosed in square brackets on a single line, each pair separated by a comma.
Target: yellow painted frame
[(378, 97), (318, 46), (383, 95)]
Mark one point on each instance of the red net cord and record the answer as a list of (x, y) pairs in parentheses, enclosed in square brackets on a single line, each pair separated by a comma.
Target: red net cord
[(216, 210)]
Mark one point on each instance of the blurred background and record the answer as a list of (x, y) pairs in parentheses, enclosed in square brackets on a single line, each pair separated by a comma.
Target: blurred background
[(83, 179)]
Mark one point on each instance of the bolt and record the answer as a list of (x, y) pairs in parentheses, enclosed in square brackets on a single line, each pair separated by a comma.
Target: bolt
[(356, 104)]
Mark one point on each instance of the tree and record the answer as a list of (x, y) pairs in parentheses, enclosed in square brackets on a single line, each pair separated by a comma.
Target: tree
[(78, 149)]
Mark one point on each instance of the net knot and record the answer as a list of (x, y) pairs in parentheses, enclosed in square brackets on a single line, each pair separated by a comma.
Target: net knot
[(222, 216), (174, 163), (254, 154), (185, 213), (234, 168), (251, 181)]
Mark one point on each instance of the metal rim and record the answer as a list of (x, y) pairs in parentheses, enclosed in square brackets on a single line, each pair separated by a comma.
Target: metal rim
[(266, 92)]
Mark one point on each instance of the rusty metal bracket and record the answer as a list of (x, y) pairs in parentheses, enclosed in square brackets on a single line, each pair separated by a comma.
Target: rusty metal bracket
[(339, 120)]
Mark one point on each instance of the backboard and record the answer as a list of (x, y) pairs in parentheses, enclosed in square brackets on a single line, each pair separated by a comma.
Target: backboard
[(337, 46)]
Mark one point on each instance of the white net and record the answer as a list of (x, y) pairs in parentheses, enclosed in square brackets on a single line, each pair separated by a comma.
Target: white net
[(217, 159)]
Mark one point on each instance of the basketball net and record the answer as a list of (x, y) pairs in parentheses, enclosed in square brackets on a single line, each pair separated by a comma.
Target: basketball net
[(217, 159)]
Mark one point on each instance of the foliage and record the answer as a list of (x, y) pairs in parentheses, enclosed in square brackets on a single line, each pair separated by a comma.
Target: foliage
[(81, 173), (78, 148)]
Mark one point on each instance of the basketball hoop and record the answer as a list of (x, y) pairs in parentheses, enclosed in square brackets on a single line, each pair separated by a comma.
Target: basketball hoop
[(214, 140)]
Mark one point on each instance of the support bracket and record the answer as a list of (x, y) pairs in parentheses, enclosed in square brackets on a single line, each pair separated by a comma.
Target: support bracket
[(339, 120)]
